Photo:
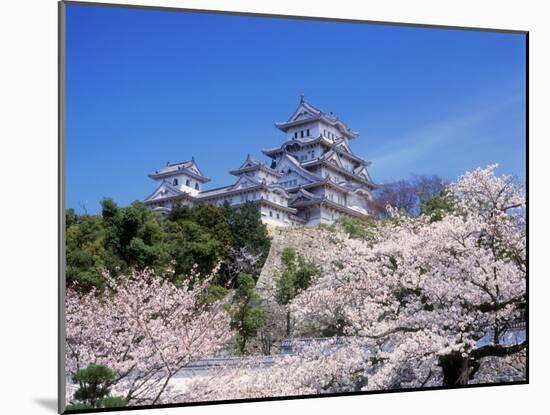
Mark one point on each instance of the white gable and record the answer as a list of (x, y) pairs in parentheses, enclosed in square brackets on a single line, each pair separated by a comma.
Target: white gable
[(304, 196), (163, 191), (292, 170), (302, 115), (303, 111), (344, 145), (194, 169), (362, 172), (244, 182), (334, 159), (249, 163)]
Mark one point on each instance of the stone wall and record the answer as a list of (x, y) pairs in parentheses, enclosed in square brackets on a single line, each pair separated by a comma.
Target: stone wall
[(306, 240)]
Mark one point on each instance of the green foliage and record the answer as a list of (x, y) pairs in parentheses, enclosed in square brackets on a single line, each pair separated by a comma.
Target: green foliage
[(108, 402), (78, 406), (71, 218), (94, 388), (196, 238), (288, 258), (437, 207), (247, 316), (215, 293), (285, 287), (112, 402), (189, 241), (247, 228), (329, 228), (297, 275), (249, 236), (133, 237), (357, 228), (306, 271), (85, 251)]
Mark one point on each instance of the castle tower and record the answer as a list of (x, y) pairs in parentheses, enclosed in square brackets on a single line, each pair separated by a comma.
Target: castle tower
[(314, 176)]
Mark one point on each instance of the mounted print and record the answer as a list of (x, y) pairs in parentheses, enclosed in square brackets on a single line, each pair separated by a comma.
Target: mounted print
[(256, 207)]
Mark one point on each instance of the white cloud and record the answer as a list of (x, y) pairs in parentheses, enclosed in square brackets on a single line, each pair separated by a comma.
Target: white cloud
[(410, 149)]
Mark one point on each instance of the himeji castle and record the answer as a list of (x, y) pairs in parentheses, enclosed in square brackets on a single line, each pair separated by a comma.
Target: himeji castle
[(313, 176)]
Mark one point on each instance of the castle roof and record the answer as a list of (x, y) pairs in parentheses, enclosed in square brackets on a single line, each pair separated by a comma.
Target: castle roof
[(306, 112), (244, 184), (298, 168), (189, 168), (341, 146), (272, 151), (305, 200), (335, 167), (166, 191), (251, 164), (354, 176)]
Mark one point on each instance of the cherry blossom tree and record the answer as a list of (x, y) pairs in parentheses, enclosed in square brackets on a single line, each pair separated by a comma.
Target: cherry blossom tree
[(422, 302), (144, 328), (432, 299), (335, 365)]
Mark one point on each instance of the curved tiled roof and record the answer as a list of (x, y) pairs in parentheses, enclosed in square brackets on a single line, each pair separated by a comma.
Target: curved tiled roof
[(315, 114), (188, 167)]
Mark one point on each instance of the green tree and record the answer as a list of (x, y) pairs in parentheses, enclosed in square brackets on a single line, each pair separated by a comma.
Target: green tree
[(192, 241), (85, 252), (215, 293), (306, 271), (248, 315), (250, 242), (94, 388), (196, 239), (357, 228), (247, 228), (297, 275), (437, 207), (133, 237), (71, 218)]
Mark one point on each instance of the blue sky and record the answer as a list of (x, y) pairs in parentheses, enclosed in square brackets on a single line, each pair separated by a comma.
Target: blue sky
[(145, 87)]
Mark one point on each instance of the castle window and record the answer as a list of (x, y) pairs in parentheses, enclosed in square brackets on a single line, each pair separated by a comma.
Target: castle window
[(307, 132), (296, 134), (188, 182), (175, 182), (270, 213), (196, 186), (277, 216), (302, 133)]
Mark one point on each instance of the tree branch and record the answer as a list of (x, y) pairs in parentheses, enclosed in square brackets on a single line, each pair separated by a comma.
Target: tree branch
[(497, 350)]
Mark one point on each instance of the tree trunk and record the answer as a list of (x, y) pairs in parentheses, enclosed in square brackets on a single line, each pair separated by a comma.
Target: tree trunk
[(456, 369), (241, 344), (288, 324)]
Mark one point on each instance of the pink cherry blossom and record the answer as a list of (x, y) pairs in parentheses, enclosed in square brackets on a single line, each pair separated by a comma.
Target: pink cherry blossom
[(145, 329)]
